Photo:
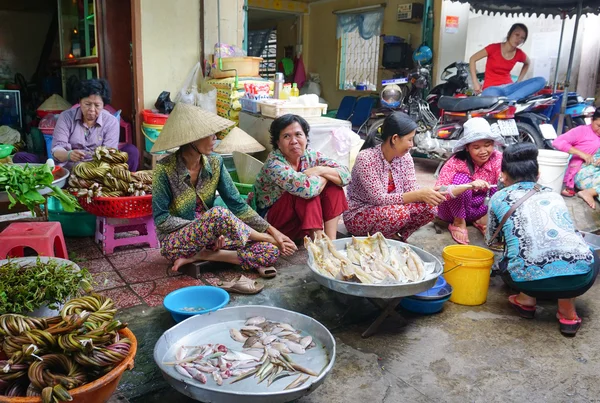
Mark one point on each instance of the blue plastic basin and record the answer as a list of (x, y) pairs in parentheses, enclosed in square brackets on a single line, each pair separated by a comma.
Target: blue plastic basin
[(200, 296), (424, 307)]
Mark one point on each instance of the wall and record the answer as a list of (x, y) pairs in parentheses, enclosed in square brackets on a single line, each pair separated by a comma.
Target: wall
[(322, 42), (452, 46), (22, 37), (231, 26), (170, 38)]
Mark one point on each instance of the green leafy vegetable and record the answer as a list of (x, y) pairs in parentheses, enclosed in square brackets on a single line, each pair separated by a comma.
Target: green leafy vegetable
[(24, 288), (21, 183)]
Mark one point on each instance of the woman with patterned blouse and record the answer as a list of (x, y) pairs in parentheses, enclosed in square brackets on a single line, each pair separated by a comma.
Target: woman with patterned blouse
[(183, 195), (468, 177), (299, 191), (383, 194), (545, 257)]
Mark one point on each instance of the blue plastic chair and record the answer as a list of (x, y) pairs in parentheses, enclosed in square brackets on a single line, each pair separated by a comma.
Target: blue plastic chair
[(346, 108), (362, 113)]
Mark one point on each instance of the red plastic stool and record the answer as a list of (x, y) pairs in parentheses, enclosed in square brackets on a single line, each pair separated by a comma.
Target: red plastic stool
[(43, 237), (107, 228)]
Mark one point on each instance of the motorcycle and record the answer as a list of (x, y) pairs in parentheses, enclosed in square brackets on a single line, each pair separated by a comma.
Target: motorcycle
[(532, 123), (456, 83), (579, 110)]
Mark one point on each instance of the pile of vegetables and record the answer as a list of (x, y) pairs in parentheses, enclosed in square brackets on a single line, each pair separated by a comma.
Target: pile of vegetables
[(108, 175), (21, 183), (26, 287), (49, 356)]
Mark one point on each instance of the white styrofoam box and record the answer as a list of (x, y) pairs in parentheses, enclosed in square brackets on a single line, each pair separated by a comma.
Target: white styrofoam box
[(275, 110)]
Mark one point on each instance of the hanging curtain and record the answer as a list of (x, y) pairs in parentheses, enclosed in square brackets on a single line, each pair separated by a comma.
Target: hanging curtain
[(368, 24), (257, 40)]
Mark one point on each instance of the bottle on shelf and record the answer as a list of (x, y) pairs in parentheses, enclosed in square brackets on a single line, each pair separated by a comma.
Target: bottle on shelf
[(286, 91), (295, 92)]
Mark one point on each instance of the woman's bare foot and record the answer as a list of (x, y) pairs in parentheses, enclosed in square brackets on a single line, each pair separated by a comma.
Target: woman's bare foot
[(183, 261), (588, 196)]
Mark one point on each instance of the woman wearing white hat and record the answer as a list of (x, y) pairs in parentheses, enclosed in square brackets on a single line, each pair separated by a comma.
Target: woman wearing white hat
[(184, 191), (468, 177)]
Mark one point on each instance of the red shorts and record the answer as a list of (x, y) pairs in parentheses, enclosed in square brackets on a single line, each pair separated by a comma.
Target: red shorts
[(296, 217)]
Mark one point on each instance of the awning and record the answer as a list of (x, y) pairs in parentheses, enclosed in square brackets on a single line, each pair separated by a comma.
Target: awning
[(533, 7)]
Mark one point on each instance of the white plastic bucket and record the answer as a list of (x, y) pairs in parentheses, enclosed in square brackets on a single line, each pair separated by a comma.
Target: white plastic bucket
[(553, 165)]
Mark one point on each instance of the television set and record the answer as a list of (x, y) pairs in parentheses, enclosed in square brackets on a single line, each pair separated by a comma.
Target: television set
[(396, 56)]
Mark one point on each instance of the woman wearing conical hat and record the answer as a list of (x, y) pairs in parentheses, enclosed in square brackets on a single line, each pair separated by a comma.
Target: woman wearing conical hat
[(184, 190)]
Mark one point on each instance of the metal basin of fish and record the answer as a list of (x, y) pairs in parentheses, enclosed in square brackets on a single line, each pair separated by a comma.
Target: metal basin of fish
[(60, 179), (214, 328), (383, 291)]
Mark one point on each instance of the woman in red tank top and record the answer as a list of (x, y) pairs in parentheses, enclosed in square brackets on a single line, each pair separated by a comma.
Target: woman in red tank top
[(501, 58)]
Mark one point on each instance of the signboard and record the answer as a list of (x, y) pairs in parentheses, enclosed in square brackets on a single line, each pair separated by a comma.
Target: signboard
[(451, 24)]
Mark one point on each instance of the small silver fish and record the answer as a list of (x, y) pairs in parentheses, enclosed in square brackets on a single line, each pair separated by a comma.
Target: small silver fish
[(237, 335), (218, 378), (305, 341), (182, 371), (256, 320)]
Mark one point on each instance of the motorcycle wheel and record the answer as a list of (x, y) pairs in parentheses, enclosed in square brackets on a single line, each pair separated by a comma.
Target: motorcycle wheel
[(578, 122), (528, 134)]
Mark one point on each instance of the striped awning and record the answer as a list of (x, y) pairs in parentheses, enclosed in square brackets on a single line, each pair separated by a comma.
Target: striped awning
[(533, 7)]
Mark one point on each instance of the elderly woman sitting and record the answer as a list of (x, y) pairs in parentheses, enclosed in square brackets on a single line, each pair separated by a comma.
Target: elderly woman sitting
[(545, 257), (189, 227), (468, 176), (299, 190), (384, 195), (80, 130)]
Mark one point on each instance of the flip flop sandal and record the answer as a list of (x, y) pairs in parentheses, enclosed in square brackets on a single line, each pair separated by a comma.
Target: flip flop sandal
[(452, 228), (243, 285), (568, 192), (267, 272), (482, 228), (568, 327), (498, 247), (525, 311)]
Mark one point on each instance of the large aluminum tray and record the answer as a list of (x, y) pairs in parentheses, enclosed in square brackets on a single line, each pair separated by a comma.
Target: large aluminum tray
[(60, 180), (214, 328), (382, 291)]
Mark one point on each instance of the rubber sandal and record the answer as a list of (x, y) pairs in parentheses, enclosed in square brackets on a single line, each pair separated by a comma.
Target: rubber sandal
[(568, 192), (453, 229), (568, 327), (525, 311), (243, 285), (482, 228), (267, 272), (498, 247)]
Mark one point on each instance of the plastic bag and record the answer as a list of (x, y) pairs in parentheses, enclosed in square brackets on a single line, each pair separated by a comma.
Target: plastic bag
[(164, 103), (189, 89), (206, 98)]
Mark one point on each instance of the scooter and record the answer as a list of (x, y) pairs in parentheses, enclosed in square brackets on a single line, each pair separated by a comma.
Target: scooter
[(456, 83), (532, 123), (579, 110)]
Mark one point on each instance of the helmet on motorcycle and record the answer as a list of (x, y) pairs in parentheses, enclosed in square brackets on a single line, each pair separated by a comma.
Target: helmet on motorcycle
[(423, 54), (391, 96)]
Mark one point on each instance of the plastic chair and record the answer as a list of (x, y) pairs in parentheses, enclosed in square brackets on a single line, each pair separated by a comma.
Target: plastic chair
[(362, 113), (107, 228), (346, 108), (46, 238)]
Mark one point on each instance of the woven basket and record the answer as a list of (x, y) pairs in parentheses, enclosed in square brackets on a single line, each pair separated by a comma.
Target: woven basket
[(118, 207)]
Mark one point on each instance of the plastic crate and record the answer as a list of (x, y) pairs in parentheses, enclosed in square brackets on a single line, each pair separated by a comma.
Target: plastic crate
[(250, 105), (154, 118), (76, 224), (275, 110)]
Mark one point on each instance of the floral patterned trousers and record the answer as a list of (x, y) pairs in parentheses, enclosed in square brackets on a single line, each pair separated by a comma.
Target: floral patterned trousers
[(470, 205), (588, 177), (400, 219), (204, 231)]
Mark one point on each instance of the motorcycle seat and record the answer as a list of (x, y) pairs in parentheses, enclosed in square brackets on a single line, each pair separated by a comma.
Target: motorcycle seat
[(452, 104)]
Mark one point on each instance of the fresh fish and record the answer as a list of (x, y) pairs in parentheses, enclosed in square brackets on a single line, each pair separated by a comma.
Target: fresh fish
[(286, 326), (197, 375), (181, 353), (218, 378), (306, 341), (268, 339), (266, 372), (273, 353), (247, 364), (297, 382), (295, 337), (255, 321), (237, 335), (300, 368), (254, 352), (251, 341), (182, 371), (225, 374), (276, 330), (284, 333), (233, 355), (251, 328), (384, 247), (205, 368), (245, 375), (281, 347), (239, 372), (294, 347), (279, 376)]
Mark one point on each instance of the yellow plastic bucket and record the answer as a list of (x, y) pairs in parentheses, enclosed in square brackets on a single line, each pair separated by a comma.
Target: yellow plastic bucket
[(467, 269)]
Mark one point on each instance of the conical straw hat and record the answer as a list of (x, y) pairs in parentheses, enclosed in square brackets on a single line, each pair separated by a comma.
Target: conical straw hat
[(54, 103), (239, 140), (186, 124)]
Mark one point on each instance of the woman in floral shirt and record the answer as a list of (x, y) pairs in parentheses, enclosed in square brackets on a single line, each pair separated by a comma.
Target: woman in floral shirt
[(384, 195), (189, 227), (475, 163), (299, 191)]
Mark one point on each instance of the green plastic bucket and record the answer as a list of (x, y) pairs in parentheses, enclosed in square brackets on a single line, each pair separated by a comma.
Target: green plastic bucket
[(77, 224), (151, 133)]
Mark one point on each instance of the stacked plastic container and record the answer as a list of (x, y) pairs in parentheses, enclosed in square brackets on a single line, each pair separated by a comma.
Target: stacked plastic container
[(152, 125)]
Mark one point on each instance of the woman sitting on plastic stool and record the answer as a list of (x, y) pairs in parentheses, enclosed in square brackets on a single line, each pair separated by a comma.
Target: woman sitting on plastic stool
[(80, 130), (545, 257)]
